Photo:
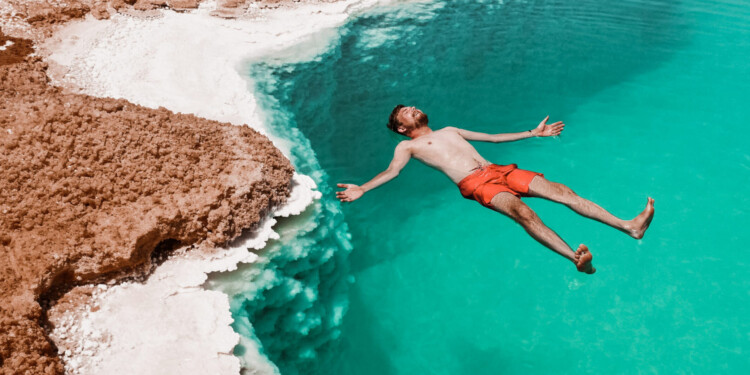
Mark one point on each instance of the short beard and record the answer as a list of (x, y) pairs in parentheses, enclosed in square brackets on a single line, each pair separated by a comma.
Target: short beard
[(421, 120)]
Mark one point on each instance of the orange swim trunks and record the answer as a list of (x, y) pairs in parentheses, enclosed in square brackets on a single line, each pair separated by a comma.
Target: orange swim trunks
[(487, 182)]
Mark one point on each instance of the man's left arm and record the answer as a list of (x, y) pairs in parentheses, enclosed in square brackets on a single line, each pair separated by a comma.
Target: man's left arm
[(542, 130), (401, 156)]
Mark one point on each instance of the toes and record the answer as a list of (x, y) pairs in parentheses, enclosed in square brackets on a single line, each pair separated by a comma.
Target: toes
[(581, 256)]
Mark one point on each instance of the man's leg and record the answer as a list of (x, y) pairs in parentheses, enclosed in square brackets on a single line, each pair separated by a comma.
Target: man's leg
[(543, 188), (510, 205)]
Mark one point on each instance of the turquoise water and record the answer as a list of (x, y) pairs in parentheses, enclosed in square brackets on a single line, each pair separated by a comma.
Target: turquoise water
[(654, 95)]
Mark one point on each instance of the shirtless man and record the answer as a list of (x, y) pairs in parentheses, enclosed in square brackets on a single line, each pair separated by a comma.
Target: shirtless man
[(495, 186)]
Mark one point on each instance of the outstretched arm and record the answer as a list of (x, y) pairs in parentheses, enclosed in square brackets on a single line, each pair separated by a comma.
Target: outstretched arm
[(542, 130), (401, 156)]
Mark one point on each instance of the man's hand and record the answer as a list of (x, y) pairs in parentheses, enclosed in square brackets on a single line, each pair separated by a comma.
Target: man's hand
[(352, 192), (545, 130)]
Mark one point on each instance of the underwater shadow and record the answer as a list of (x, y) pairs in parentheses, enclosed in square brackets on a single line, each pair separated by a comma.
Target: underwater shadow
[(369, 352)]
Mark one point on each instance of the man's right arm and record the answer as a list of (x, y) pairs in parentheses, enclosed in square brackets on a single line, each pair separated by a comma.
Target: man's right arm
[(542, 130), (401, 156)]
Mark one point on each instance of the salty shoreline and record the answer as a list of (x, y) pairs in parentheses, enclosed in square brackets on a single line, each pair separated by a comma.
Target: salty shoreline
[(167, 323), (184, 62)]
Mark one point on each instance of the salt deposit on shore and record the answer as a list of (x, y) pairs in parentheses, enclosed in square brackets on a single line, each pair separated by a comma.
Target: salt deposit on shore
[(185, 62)]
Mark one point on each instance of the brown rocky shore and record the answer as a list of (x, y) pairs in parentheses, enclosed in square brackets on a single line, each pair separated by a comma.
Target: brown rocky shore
[(91, 186)]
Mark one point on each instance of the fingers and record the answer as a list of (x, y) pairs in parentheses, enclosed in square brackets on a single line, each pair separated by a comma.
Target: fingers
[(553, 129), (556, 128), (345, 186), (342, 195)]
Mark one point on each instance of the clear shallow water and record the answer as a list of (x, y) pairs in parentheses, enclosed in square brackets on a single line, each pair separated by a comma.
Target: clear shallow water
[(654, 96)]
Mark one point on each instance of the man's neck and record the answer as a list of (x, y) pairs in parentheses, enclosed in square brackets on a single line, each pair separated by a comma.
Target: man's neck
[(419, 132)]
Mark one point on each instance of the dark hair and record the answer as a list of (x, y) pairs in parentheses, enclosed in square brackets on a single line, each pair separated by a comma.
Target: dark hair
[(393, 122)]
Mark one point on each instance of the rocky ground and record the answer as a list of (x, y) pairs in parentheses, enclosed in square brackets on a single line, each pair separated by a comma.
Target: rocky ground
[(92, 186)]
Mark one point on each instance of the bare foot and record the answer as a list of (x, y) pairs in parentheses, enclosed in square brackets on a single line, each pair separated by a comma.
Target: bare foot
[(583, 260), (637, 227)]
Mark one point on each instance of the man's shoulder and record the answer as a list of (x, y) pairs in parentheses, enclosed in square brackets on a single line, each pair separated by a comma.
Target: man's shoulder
[(404, 145)]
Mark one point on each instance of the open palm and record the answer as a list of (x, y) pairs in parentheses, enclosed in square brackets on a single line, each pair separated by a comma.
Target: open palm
[(548, 130), (352, 192)]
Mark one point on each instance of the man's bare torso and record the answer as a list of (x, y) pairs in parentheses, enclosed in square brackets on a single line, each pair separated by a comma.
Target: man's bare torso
[(447, 151)]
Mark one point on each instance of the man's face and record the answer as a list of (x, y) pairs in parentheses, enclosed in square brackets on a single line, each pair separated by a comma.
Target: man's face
[(409, 117)]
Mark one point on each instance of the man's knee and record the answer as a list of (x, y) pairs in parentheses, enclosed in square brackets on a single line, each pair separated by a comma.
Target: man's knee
[(523, 214), (564, 194)]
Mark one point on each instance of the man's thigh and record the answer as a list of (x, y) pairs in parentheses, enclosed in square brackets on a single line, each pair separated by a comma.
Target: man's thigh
[(507, 203), (543, 188)]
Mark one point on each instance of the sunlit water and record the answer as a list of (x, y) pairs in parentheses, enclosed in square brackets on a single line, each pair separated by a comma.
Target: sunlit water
[(655, 98)]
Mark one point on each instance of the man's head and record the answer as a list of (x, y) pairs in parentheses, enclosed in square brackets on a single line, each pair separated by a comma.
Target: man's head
[(404, 119)]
